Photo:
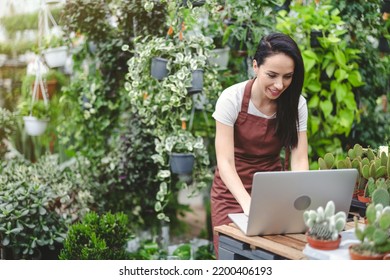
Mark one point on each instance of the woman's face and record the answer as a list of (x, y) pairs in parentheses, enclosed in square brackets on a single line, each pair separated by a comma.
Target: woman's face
[(275, 75)]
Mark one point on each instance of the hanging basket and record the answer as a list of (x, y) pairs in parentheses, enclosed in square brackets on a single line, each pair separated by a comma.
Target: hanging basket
[(55, 57), (34, 126)]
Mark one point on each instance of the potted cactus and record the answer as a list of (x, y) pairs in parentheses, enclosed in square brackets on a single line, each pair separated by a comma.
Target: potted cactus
[(324, 227), (374, 237)]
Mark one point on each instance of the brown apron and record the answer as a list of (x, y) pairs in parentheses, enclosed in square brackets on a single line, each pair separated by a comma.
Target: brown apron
[(256, 148)]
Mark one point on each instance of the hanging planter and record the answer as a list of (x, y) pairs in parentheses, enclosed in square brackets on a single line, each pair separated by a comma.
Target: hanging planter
[(181, 163), (197, 82), (55, 57), (219, 57), (159, 68), (34, 126), (36, 113)]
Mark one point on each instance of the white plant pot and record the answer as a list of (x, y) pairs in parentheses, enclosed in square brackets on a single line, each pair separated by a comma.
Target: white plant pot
[(56, 57), (34, 126), (219, 57)]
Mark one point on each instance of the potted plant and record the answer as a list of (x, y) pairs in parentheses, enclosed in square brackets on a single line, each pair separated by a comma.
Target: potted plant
[(215, 29), (370, 164), (181, 148), (55, 52), (36, 116), (161, 104), (374, 237), (158, 68), (324, 227)]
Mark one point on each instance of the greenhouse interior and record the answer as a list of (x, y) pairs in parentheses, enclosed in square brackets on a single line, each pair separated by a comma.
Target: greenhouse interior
[(97, 98)]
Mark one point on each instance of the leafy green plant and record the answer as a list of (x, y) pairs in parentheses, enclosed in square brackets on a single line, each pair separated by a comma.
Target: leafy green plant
[(38, 109), (248, 21), (97, 237), (365, 25), (38, 202), (331, 73), (162, 105)]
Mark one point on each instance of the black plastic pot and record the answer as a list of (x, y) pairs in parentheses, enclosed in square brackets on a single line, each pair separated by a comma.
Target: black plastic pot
[(383, 45), (197, 82), (195, 3), (314, 35), (159, 68), (181, 163)]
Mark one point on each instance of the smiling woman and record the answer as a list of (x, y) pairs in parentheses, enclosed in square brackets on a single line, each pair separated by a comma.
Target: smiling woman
[(255, 120)]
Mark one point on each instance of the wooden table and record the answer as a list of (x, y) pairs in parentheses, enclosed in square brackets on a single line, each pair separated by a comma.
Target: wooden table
[(233, 245)]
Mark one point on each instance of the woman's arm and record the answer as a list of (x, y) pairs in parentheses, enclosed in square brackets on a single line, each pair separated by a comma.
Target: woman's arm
[(224, 146), (299, 155)]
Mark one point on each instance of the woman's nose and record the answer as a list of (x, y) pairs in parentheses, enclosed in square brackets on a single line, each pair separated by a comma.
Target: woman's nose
[(278, 84)]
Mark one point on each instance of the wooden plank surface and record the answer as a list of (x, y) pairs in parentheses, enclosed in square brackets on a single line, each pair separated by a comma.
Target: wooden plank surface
[(287, 245), (290, 247)]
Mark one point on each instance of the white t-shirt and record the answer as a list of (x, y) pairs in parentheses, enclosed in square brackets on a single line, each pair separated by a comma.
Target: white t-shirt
[(229, 105)]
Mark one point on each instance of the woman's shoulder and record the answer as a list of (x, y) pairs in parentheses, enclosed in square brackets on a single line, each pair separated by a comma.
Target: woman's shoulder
[(235, 91), (302, 101)]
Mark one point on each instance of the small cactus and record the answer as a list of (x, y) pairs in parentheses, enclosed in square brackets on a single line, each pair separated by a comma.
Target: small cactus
[(374, 237), (324, 224)]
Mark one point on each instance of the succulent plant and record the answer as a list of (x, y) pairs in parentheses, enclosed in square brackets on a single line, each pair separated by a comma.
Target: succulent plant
[(375, 236), (371, 166), (324, 224)]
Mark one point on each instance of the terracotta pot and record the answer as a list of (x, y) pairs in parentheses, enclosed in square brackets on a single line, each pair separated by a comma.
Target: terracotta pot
[(356, 256), (51, 87), (356, 193), (323, 244), (364, 199)]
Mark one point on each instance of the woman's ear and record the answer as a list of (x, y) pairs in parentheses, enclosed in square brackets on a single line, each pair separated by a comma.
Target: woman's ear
[(255, 67)]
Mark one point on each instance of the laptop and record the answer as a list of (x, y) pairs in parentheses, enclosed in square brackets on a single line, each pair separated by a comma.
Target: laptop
[(279, 199)]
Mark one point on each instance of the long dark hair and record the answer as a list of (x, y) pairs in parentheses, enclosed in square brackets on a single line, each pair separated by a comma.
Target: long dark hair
[(287, 118)]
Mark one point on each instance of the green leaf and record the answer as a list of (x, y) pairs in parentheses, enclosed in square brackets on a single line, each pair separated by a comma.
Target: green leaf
[(314, 101), (326, 107), (355, 79), (341, 92), (330, 69), (340, 57)]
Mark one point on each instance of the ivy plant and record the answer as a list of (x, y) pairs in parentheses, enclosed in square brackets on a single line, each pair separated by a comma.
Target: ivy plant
[(163, 105)]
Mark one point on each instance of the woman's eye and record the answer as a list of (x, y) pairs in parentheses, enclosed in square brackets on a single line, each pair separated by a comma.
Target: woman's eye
[(271, 76)]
